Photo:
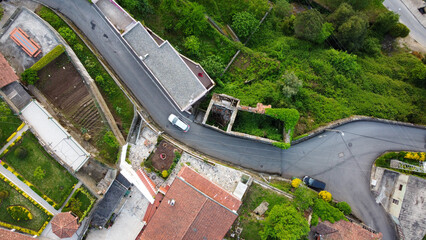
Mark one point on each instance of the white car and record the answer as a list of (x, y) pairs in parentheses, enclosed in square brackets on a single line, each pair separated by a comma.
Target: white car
[(178, 123)]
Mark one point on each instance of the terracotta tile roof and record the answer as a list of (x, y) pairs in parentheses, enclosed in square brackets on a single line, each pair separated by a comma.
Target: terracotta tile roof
[(64, 225), (149, 184), (191, 210), (7, 75), (348, 231), (9, 235), (209, 188), (152, 208)]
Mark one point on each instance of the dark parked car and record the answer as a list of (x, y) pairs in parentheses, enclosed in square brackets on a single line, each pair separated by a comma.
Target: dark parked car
[(314, 183)]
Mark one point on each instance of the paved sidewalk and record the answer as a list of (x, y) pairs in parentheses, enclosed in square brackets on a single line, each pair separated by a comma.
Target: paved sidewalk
[(24, 129), (24, 187), (69, 196)]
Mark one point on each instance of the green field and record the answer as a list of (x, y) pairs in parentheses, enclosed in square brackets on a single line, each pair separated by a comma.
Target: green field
[(258, 125), (16, 198), (57, 183), (8, 122)]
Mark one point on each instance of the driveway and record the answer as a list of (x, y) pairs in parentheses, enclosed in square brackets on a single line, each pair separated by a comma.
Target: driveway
[(347, 176)]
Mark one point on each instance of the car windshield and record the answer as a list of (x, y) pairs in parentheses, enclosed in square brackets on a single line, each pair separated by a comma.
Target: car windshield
[(311, 181)]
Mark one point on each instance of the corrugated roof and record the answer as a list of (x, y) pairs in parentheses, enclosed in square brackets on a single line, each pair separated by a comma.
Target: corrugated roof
[(7, 75)]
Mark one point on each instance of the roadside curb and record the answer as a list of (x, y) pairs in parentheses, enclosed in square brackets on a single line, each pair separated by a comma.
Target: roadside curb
[(355, 118)]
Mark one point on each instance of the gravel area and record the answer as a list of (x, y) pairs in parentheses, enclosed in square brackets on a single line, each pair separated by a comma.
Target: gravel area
[(36, 29), (225, 177), (145, 144)]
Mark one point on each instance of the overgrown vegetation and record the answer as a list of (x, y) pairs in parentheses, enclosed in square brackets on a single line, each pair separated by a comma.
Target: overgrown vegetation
[(118, 103), (384, 161), (1, 11), (40, 169), (258, 125), (342, 67), (29, 76), (80, 203), (9, 122)]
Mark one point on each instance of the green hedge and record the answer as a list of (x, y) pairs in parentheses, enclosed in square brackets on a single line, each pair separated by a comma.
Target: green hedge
[(49, 57), (281, 145), (290, 117)]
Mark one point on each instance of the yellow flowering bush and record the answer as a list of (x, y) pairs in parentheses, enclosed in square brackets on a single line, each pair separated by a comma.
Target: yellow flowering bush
[(420, 156), (326, 196), (296, 182), (11, 136), (19, 213)]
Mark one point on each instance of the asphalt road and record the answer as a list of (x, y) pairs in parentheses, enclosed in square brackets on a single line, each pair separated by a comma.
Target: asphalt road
[(343, 162), (417, 30)]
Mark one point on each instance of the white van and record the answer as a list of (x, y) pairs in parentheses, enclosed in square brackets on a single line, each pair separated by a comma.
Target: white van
[(178, 123)]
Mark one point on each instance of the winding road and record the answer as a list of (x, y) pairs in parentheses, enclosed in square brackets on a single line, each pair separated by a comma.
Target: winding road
[(342, 161)]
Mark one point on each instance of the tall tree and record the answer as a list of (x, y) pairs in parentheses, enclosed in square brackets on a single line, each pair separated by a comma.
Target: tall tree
[(352, 33), (284, 222), (310, 25), (282, 9), (192, 20), (385, 22), (342, 13)]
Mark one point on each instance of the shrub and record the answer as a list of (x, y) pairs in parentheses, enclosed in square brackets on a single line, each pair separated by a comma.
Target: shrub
[(1, 11), (49, 57), (314, 220), (327, 212), (20, 152), (281, 145), (164, 173), (213, 66), (326, 196), (296, 182), (29, 76), (19, 213), (344, 207), (290, 84), (110, 140), (68, 34), (399, 30), (290, 117), (303, 198), (192, 45), (4, 194), (243, 23), (39, 173)]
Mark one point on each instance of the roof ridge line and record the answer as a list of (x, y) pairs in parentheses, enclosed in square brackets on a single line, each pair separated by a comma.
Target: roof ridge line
[(232, 211)]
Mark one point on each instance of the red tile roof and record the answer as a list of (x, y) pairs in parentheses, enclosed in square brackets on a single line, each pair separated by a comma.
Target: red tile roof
[(152, 208), (9, 235), (7, 75), (149, 184), (209, 188), (348, 231), (193, 216), (64, 225)]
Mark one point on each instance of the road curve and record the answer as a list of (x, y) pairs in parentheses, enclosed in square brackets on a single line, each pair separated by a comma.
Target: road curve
[(343, 162), (417, 30)]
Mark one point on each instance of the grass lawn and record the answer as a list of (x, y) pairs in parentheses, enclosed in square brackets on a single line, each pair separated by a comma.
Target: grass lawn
[(8, 122), (15, 198), (255, 196), (259, 125), (57, 183), (85, 198), (282, 185)]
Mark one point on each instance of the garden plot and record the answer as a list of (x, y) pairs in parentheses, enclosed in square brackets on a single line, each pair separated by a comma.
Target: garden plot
[(9, 122), (14, 198), (65, 89)]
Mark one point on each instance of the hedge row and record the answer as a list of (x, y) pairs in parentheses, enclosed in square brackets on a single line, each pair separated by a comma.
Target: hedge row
[(46, 59), (50, 201), (25, 230)]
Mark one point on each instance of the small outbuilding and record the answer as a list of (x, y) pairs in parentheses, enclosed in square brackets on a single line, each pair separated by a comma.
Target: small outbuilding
[(65, 224)]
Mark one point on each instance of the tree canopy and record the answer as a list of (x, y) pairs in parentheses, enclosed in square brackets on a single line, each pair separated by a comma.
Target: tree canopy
[(284, 222), (243, 23), (311, 26)]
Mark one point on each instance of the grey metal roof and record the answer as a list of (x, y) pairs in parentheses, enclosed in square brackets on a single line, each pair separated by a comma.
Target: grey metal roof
[(107, 205), (167, 66), (17, 94)]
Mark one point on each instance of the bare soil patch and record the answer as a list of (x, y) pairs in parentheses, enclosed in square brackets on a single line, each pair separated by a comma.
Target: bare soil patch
[(164, 155), (64, 88)]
